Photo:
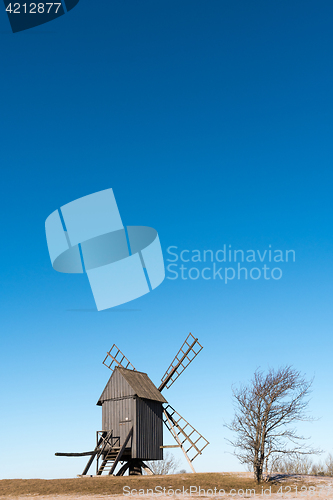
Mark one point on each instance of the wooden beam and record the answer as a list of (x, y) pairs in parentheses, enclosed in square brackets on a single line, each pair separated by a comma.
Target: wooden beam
[(171, 446), (105, 438), (91, 459), (84, 454), (146, 468), (123, 469), (163, 384)]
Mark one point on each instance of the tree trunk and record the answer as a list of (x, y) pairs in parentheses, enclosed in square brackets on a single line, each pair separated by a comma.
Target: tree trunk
[(258, 473)]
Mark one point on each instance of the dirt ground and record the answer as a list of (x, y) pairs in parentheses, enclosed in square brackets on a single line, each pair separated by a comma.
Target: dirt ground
[(178, 486)]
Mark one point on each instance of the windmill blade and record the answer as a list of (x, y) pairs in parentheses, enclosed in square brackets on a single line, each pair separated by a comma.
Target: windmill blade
[(186, 354), (116, 358), (189, 439)]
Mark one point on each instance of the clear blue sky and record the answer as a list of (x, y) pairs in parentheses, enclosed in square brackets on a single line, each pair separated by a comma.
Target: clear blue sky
[(212, 122)]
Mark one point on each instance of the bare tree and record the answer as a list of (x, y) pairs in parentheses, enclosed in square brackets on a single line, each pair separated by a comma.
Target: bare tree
[(169, 465), (292, 465), (329, 465), (304, 465), (264, 412)]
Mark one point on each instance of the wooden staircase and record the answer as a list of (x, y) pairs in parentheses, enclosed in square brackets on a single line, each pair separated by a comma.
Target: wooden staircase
[(109, 448), (108, 462)]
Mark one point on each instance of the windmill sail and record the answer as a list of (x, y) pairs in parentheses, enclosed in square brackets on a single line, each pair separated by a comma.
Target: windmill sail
[(116, 358), (186, 354), (188, 438)]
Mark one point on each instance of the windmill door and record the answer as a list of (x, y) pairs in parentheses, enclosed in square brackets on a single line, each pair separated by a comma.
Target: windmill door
[(126, 412)]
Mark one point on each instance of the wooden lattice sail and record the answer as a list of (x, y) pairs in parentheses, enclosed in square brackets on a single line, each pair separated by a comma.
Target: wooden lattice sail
[(115, 357), (186, 354)]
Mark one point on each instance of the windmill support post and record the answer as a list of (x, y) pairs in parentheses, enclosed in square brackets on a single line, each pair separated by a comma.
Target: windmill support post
[(138, 463), (147, 468), (90, 461), (123, 469)]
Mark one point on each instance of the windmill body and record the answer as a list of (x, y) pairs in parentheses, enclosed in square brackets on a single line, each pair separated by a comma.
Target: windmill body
[(133, 415), (130, 400)]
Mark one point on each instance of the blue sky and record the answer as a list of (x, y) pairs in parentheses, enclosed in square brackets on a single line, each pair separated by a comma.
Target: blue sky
[(212, 122)]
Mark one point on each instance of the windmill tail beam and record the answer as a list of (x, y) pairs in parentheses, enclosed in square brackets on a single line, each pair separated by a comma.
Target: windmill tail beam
[(83, 454)]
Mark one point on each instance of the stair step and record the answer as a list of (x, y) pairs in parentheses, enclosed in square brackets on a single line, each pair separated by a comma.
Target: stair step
[(107, 463)]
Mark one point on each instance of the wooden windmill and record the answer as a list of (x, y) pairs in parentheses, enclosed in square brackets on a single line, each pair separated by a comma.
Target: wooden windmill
[(133, 412)]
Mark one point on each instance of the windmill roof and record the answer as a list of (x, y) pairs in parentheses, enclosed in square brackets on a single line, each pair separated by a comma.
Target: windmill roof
[(139, 383)]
